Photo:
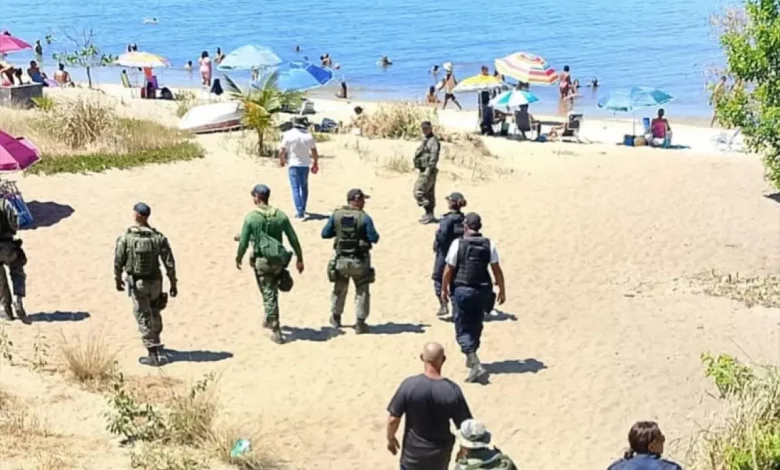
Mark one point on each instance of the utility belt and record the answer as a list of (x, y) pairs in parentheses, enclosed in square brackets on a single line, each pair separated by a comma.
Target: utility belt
[(17, 242), (486, 291), (335, 276), (130, 280)]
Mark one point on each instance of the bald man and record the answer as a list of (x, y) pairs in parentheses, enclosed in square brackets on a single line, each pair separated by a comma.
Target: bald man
[(429, 402)]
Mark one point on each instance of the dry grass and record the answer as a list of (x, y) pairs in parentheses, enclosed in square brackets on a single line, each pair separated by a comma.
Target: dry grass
[(398, 164), (221, 441), (396, 121), (91, 363), (22, 432), (751, 291), (52, 461), (160, 457), (191, 415), (156, 389)]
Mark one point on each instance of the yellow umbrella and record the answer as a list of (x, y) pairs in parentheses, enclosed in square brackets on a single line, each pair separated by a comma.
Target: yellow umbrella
[(142, 60), (478, 83)]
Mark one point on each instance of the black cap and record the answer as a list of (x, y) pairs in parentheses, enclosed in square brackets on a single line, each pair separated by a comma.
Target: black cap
[(300, 122), (142, 209), (355, 194), (261, 190), (425, 124), (455, 197), (473, 221)]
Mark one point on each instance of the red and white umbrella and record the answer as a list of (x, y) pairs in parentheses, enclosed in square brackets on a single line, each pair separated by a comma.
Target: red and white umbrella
[(9, 43)]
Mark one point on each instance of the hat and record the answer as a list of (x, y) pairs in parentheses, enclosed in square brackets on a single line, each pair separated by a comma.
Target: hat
[(300, 122), (425, 124), (473, 221), (142, 209), (354, 194), (455, 197), (261, 190), (473, 435), (447, 66)]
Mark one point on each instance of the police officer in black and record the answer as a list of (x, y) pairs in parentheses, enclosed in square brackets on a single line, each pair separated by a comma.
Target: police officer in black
[(450, 229), (466, 273)]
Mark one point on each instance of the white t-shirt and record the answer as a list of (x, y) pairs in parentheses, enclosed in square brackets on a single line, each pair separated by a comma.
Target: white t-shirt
[(452, 253), (299, 144)]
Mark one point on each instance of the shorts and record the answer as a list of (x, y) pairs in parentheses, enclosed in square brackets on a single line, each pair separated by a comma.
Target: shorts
[(449, 97)]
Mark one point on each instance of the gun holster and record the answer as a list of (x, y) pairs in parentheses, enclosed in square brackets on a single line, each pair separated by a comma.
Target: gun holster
[(161, 302), (20, 252)]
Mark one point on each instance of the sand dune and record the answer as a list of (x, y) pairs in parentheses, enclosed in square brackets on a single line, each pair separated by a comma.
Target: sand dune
[(601, 326)]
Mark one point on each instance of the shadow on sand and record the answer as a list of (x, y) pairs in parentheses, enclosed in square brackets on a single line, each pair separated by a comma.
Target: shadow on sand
[(58, 316), (326, 333), (515, 366), (774, 196), (196, 356), (314, 216), (397, 328), (46, 214)]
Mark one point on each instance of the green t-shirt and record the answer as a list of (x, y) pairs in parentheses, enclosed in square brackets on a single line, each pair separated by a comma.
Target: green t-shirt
[(271, 221)]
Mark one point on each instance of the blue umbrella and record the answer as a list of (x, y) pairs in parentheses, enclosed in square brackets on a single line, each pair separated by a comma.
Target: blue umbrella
[(513, 99), (637, 97), (249, 57), (301, 76)]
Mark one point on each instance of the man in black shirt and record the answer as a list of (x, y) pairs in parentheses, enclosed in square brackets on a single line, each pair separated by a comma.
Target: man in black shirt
[(429, 402)]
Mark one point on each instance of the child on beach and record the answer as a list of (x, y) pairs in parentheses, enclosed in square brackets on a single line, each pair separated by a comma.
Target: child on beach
[(204, 66), (431, 97)]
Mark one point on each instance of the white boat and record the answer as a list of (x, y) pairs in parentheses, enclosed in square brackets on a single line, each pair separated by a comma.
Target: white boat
[(212, 117)]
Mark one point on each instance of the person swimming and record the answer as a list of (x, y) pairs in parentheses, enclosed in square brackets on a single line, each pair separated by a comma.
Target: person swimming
[(385, 61), (188, 66), (434, 70)]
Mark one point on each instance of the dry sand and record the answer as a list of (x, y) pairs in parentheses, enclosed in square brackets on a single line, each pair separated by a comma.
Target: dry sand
[(602, 327)]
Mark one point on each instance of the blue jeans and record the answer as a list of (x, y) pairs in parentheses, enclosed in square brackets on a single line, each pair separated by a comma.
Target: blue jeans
[(299, 181), (468, 311)]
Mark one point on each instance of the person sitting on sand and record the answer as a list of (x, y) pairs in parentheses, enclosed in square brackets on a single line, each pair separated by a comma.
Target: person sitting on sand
[(662, 131), (35, 74), (6, 73), (431, 97), (647, 446), (342, 94), (62, 77)]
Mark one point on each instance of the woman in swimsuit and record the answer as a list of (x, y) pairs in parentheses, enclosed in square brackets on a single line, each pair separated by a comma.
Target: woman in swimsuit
[(205, 69), (565, 83)]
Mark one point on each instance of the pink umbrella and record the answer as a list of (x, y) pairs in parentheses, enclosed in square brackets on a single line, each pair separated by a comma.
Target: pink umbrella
[(16, 154), (11, 44)]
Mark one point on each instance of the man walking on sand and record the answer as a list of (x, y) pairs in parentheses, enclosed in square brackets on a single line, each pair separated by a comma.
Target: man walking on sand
[(299, 151), (426, 160), (429, 402)]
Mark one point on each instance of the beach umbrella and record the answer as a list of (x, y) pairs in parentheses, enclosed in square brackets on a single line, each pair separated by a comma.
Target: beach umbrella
[(528, 68), (637, 97), (302, 76), (478, 83), (9, 43), (142, 60), (513, 99), (16, 154), (250, 57)]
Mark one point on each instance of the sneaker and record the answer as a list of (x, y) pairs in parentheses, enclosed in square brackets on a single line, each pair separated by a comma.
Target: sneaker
[(476, 373), (7, 313), (277, 337), (20, 313), (335, 321), (361, 327)]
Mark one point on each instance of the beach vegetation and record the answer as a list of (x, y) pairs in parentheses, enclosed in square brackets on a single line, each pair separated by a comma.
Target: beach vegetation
[(83, 52), (750, 39), (185, 100), (44, 103), (164, 457), (750, 290), (394, 121), (261, 103), (91, 363), (399, 164), (747, 437)]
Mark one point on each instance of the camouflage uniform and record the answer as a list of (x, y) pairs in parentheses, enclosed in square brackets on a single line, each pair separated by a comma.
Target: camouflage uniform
[(13, 256), (479, 459), (426, 159), (146, 289)]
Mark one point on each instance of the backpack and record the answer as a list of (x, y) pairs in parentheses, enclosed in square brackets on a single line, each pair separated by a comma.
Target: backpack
[(144, 251), (349, 225), (270, 248)]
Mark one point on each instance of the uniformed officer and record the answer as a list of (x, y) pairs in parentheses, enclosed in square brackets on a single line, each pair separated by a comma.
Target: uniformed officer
[(468, 276), (476, 452), (426, 160), (13, 256), (354, 234), (139, 252), (450, 229)]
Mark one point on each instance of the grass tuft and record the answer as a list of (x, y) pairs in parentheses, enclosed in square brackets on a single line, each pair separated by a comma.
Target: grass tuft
[(91, 363), (751, 291)]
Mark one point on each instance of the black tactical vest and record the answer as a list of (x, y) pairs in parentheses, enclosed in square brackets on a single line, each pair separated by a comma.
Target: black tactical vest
[(457, 226), (350, 232), (473, 260)]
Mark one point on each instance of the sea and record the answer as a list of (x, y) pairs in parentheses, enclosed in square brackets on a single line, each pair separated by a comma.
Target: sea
[(666, 44)]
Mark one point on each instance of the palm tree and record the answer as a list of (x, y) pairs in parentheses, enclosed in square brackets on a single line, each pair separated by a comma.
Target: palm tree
[(261, 102)]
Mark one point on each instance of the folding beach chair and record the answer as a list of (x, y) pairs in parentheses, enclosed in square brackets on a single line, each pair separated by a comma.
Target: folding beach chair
[(572, 128), (522, 122)]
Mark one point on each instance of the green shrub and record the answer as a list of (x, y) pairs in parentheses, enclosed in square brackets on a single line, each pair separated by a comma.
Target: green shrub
[(731, 376), (44, 103)]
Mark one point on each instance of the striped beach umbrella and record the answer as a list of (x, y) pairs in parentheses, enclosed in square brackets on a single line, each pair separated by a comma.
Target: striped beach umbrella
[(478, 83), (527, 68), (142, 60)]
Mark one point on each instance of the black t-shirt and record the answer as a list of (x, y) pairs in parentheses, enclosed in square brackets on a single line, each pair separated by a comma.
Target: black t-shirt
[(429, 405)]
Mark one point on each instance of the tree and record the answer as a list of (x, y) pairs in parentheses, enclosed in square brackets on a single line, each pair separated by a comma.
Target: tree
[(750, 39), (261, 103), (85, 53)]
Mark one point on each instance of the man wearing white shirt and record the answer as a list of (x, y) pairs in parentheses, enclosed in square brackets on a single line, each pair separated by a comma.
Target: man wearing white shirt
[(299, 151), (466, 273)]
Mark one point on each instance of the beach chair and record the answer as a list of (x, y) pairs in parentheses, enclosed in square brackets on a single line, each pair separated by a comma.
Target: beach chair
[(307, 107), (522, 122), (572, 128)]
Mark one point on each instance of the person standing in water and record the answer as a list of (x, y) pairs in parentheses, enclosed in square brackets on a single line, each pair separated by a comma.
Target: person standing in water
[(204, 66)]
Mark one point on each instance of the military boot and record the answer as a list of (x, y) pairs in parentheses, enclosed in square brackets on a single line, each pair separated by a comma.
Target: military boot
[(476, 370), (444, 309), (7, 313), (276, 336), (20, 313), (267, 324), (335, 321), (154, 357), (428, 218), (361, 327)]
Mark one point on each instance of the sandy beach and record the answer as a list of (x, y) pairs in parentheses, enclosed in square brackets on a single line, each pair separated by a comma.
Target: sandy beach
[(603, 324)]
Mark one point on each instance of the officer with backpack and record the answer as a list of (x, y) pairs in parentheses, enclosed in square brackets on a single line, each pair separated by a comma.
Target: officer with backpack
[(450, 229), (139, 252), (354, 234), (13, 256), (264, 227), (467, 274)]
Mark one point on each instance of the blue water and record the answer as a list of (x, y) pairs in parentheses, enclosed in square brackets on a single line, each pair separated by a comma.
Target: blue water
[(667, 44)]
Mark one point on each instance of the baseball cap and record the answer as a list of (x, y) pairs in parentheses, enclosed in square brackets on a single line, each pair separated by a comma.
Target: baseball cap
[(473, 435), (142, 209), (261, 190), (425, 124), (456, 196), (354, 194), (473, 221), (300, 122)]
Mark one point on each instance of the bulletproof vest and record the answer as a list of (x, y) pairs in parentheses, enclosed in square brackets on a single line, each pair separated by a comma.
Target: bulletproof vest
[(457, 226), (143, 248), (473, 261), (350, 232), (422, 156)]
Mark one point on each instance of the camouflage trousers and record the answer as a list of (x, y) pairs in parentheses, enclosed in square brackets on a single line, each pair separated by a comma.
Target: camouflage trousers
[(361, 273), (11, 255), (424, 189), (268, 277), (146, 295)]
